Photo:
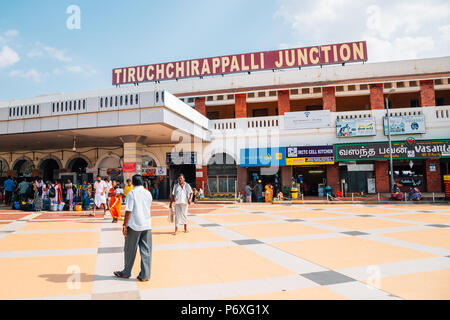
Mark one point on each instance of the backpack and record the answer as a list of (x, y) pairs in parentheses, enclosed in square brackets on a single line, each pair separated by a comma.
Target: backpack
[(52, 192)]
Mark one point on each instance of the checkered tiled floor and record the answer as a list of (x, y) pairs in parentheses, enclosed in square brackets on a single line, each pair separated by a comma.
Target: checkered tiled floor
[(235, 252)]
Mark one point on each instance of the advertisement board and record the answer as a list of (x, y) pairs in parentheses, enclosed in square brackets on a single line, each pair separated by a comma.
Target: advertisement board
[(405, 125), (263, 157), (400, 150), (309, 155), (356, 127), (174, 158), (307, 119)]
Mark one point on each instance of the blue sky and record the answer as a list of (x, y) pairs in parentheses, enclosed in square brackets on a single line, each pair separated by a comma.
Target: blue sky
[(40, 55)]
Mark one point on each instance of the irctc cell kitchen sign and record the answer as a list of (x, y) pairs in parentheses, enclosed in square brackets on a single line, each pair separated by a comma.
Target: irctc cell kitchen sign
[(248, 62), (400, 150)]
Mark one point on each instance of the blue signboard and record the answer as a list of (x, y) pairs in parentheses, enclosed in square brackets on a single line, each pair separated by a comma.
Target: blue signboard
[(263, 157)]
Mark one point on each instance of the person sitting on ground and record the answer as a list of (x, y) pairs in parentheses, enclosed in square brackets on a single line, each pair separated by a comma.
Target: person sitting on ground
[(396, 193), (414, 194)]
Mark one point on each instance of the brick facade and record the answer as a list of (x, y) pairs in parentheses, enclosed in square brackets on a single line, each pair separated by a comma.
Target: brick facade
[(286, 176), (376, 96), (240, 106), (427, 95), (329, 98), (433, 178), (284, 105), (382, 176), (242, 178), (333, 177), (200, 105)]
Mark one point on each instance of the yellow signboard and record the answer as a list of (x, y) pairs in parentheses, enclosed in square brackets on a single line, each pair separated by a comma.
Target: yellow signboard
[(309, 161)]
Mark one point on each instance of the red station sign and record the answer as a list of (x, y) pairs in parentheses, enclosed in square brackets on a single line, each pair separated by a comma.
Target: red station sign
[(248, 62)]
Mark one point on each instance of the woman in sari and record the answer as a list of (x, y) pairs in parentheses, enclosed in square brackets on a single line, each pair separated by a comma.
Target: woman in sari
[(85, 195)]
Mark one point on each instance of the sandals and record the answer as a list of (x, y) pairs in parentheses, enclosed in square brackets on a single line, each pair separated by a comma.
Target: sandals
[(141, 280), (119, 274)]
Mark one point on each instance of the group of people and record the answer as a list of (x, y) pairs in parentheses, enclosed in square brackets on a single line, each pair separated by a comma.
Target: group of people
[(258, 193), (413, 194)]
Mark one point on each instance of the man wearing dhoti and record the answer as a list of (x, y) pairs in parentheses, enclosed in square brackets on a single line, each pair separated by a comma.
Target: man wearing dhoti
[(101, 189), (182, 196)]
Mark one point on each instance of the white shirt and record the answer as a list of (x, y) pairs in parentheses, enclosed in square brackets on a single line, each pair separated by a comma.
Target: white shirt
[(108, 185), (182, 194), (139, 202), (100, 187)]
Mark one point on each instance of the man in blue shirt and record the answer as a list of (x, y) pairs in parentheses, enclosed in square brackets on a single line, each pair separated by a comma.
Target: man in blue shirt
[(9, 189)]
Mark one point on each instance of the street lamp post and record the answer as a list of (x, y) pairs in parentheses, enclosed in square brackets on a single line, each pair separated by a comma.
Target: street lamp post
[(391, 165)]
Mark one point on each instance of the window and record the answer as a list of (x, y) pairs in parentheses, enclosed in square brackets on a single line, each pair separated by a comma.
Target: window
[(106, 101), (212, 115), (414, 103), (57, 107), (66, 105), (131, 100), (53, 107), (34, 109), (29, 109), (260, 112), (126, 100), (440, 101), (14, 112), (111, 101), (121, 100), (26, 109), (116, 100), (84, 104), (37, 109), (21, 111), (70, 106), (79, 104), (101, 102), (10, 112), (136, 100)]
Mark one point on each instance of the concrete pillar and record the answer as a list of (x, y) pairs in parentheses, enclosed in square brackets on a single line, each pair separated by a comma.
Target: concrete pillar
[(433, 178), (382, 180), (286, 176), (329, 98), (201, 180), (427, 94), (376, 96), (132, 154), (333, 177), (200, 105), (242, 178), (284, 105), (240, 105)]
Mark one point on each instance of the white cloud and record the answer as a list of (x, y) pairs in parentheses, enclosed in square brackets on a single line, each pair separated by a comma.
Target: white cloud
[(11, 33), (81, 70), (8, 57), (402, 29), (31, 74), (41, 51)]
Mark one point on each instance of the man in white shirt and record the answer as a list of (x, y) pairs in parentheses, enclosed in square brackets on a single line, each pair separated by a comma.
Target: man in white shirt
[(182, 196), (109, 185), (137, 229), (101, 190)]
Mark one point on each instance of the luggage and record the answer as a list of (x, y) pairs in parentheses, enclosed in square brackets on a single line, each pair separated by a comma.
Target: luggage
[(26, 207), (61, 206), (78, 207), (52, 192), (17, 205), (46, 204), (53, 207)]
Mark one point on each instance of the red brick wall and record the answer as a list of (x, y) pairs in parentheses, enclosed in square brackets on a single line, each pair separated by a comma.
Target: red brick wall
[(434, 183), (329, 98), (240, 107), (242, 178), (376, 96), (427, 96), (283, 102), (382, 179), (286, 176), (201, 182), (333, 177), (200, 105)]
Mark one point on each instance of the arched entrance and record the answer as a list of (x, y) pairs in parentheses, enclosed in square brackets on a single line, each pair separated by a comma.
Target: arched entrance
[(3, 168), (49, 169), (222, 174), (23, 168), (110, 162), (78, 166)]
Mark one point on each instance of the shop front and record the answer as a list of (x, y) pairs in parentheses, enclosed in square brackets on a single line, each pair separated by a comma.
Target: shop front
[(310, 167), (416, 163), (265, 165)]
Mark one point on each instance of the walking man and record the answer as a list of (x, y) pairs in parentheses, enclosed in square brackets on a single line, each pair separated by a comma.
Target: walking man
[(101, 190), (9, 189), (137, 230), (182, 196), (248, 192)]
